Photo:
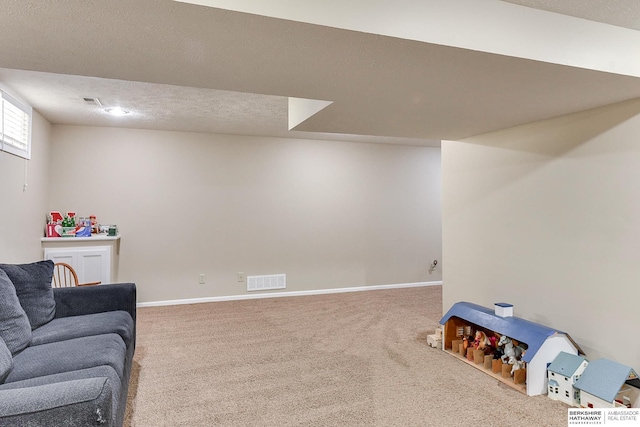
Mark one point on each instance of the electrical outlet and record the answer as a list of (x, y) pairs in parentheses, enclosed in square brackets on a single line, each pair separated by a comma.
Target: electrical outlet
[(241, 277), (202, 279)]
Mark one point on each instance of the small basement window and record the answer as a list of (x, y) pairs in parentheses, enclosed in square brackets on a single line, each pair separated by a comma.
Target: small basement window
[(15, 126)]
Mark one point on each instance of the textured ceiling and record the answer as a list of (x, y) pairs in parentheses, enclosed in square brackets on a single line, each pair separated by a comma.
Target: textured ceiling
[(152, 105), (622, 13), (185, 67)]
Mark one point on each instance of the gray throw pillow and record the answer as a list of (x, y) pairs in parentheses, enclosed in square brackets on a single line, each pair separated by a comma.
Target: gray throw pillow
[(15, 329), (6, 361), (33, 286)]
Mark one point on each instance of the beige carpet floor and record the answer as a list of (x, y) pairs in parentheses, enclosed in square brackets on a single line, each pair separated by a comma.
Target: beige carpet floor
[(350, 359)]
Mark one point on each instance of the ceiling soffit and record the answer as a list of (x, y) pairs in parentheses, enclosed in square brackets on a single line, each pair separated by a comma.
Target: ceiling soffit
[(378, 85)]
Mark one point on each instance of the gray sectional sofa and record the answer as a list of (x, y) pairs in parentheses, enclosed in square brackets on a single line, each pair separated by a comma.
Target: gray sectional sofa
[(65, 354)]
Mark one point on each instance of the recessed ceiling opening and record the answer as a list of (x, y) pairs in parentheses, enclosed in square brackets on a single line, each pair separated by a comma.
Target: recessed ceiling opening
[(92, 101)]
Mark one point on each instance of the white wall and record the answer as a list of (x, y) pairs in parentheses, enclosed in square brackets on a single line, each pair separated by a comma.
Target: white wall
[(328, 214), (547, 216), (23, 213)]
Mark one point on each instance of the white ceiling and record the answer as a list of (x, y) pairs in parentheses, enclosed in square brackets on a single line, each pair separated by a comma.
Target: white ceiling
[(186, 67)]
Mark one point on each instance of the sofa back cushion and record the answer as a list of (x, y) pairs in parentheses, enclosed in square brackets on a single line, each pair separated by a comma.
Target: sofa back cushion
[(15, 329), (33, 286), (6, 361)]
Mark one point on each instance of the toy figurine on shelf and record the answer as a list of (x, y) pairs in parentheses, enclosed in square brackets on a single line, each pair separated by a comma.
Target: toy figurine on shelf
[(490, 346), (465, 343), (83, 228), (68, 226), (480, 341), (517, 364), (94, 224), (499, 349), (511, 352), (486, 343)]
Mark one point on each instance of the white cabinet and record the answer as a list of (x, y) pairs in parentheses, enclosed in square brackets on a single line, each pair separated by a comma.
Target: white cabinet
[(92, 264), (95, 259)]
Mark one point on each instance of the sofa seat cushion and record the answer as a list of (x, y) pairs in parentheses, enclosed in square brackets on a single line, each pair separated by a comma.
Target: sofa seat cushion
[(80, 374), (65, 328), (87, 402), (33, 286), (15, 329), (69, 355), (6, 361)]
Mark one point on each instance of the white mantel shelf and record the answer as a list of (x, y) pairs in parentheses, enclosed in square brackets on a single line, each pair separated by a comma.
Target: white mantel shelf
[(93, 238)]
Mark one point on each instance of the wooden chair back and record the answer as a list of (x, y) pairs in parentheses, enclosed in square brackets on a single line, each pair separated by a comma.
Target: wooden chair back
[(64, 276)]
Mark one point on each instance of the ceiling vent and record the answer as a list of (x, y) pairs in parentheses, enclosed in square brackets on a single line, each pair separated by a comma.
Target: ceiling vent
[(92, 101)]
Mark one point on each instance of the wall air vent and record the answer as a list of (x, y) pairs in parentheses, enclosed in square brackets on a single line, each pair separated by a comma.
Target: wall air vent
[(92, 101), (264, 283)]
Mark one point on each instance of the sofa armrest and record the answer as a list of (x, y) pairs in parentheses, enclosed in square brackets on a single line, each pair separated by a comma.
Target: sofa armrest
[(95, 299), (85, 402)]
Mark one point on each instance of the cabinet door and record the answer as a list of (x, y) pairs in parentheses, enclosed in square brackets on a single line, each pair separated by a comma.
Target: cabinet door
[(66, 255), (94, 265)]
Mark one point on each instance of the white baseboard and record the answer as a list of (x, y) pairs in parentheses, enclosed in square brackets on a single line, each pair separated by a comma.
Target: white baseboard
[(285, 294)]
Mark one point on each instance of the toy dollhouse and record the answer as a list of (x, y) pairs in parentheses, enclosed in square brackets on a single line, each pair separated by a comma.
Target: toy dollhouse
[(599, 384), (563, 373), (608, 384)]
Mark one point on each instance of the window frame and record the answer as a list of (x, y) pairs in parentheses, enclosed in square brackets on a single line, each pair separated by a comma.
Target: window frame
[(7, 145)]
